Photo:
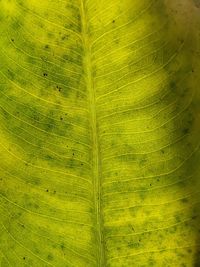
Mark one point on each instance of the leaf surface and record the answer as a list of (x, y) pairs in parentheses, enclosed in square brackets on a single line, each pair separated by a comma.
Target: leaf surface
[(100, 124)]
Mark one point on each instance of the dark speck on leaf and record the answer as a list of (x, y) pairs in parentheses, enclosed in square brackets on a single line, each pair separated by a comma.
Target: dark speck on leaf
[(113, 21), (184, 200), (59, 88), (194, 217), (150, 184), (12, 40), (73, 154), (186, 131), (172, 84), (65, 37), (61, 118), (45, 74), (46, 46), (50, 257), (62, 246), (47, 190), (24, 258)]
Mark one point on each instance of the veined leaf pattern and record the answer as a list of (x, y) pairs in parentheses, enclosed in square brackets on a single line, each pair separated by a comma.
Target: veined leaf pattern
[(100, 124)]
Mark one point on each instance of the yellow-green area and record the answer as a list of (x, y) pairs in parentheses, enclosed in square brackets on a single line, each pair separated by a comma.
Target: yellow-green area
[(100, 133)]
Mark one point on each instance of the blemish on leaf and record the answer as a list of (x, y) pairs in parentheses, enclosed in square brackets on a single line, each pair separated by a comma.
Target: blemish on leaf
[(186, 130), (197, 3), (50, 257), (62, 245), (66, 36), (59, 88)]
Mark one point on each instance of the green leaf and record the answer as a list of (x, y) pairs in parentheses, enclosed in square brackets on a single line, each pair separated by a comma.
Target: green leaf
[(100, 126)]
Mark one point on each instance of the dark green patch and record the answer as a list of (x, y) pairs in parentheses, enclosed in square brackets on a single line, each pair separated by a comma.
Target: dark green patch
[(177, 218), (11, 75), (197, 4), (151, 262), (184, 200), (186, 130), (62, 245), (50, 257), (65, 37), (172, 230)]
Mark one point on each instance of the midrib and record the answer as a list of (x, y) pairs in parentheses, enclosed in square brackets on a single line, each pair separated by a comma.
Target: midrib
[(95, 145)]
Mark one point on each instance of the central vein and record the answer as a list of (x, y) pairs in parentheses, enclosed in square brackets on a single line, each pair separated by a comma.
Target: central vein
[(95, 156)]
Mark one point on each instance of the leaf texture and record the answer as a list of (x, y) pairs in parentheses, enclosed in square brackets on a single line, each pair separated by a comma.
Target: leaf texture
[(100, 124)]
